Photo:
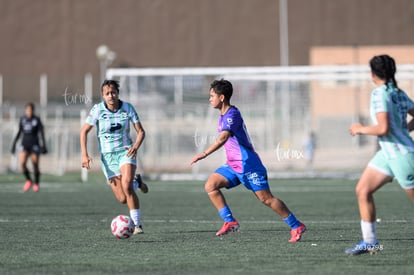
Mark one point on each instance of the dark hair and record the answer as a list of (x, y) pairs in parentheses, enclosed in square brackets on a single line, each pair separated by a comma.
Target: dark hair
[(384, 67), (31, 105), (222, 87), (109, 82)]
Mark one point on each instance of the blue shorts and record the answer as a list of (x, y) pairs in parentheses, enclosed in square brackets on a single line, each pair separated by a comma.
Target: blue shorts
[(111, 163), (402, 168), (253, 180)]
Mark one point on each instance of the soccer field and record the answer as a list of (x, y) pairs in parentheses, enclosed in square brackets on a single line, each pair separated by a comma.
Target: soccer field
[(65, 229)]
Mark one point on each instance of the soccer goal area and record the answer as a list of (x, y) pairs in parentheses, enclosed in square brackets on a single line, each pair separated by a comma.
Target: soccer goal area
[(297, 117), (288, 111)]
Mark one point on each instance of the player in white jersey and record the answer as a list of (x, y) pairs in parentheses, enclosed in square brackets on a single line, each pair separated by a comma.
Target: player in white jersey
[(113, 117), (395, 159)]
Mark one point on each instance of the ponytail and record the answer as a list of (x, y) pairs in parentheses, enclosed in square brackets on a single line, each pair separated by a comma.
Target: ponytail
[(384, 67)]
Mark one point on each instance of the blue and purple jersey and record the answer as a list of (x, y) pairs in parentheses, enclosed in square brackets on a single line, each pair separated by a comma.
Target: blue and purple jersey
[(240, 153)]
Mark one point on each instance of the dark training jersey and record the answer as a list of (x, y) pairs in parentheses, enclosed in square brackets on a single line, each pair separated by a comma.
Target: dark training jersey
[(30, 128)]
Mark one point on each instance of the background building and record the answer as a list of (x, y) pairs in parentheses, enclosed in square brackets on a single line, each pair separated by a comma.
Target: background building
[(60, 37), (49, 56)]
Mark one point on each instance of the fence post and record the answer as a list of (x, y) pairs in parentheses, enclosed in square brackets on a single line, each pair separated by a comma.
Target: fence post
[(88, 89), (43, 91), (178, 96), (84, 171), (13, 118), (1, 90)]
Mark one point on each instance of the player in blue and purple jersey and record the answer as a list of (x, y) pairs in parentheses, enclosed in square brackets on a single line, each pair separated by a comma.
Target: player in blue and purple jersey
[(390, 107), (112, 118), (243, 165)]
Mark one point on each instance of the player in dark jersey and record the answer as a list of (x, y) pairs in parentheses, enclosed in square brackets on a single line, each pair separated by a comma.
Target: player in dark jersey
[(31, 127)]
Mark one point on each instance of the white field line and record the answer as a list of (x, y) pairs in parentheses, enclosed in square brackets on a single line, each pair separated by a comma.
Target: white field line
[(213, 222), (274, 187)]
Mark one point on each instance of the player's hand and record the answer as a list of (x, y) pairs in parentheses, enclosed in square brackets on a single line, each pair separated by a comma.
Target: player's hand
[(86, 162), (355, 129), (13, 150), (198, 157), (44, 150), (132, 152)]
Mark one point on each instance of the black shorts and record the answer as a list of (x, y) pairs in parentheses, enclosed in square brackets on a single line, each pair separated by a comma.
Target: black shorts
[(31, 148)]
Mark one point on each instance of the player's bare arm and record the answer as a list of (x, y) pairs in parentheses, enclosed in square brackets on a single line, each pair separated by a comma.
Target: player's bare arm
[(86, 159), (374, 130), (132, 151), (220, 140)]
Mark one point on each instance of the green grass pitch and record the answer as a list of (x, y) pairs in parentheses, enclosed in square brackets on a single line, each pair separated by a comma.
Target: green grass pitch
[(65, 229)]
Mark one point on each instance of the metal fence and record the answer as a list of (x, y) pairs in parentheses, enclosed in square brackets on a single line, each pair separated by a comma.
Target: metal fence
[(282, 106)]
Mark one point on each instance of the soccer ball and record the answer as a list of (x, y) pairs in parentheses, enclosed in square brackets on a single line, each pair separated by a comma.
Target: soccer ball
[(122, 227)]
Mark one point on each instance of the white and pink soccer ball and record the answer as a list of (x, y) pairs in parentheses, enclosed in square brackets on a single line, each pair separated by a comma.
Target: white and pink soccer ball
[(122, 227)]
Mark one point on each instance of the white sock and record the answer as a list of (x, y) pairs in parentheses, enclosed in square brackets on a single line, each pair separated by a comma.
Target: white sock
[(135, 216), (368, 232)]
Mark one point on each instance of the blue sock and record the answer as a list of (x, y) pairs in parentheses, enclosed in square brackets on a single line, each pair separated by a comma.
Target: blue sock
[(292, 221), (225, 214)]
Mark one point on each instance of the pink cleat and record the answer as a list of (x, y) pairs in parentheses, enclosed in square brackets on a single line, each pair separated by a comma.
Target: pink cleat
[(36, 188), (296, 234), (27, 186), (228, 227)]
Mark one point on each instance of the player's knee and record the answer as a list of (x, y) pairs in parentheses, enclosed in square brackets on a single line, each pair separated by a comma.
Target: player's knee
[(122, 199), (265, 197), (358, 191), (215, 183), (117, 189), (410, 193), (126, 180), (210, 187), (120, 196), (362, 192), (128, 189), (266, 201), (127, 184)]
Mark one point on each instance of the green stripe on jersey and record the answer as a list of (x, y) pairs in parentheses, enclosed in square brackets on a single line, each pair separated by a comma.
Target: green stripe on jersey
[(113, 128), (396, 103)]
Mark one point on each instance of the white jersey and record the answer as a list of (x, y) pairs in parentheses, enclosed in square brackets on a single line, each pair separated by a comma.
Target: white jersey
[(113, 128), (388, 98)]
